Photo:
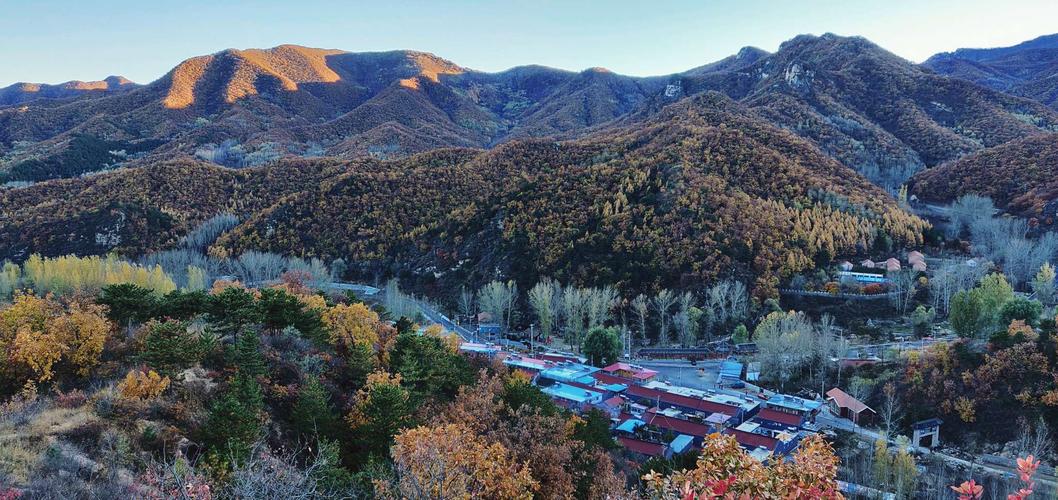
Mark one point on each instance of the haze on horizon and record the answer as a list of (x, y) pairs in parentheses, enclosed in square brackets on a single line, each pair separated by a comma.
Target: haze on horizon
[(52, 41)]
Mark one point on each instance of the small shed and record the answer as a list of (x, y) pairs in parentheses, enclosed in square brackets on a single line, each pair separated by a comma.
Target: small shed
[(849, 407), (915, 256), (484, 317), (892, 264), (919, 266), (867, 263)]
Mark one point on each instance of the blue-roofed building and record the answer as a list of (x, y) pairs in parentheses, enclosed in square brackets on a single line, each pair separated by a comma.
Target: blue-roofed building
[(806, 408), (575, 398), (570, 372), (730, 371), (681, 444), (476, 348), (629, 426), (612, 388)]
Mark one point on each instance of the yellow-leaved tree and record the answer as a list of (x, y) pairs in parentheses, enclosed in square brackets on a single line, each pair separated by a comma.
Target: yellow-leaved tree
[(451, 461), (37, 332)]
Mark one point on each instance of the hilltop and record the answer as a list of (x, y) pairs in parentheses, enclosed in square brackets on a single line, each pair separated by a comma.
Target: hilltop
[(876, 113)]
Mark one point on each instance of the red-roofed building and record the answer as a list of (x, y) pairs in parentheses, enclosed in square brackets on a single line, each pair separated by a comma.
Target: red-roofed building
[(642, 447), (751, 440), (677, 425), (630, 372), (654, 397), (849, 407), (778, 420)]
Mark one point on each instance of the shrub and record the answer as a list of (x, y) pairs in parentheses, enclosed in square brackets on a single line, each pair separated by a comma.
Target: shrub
[(143, 385)]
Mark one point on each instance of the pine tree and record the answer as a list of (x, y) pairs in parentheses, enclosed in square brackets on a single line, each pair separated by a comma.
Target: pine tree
[(313, 414)]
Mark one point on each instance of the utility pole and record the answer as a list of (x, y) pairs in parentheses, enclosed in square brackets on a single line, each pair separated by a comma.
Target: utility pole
[(532, 345)]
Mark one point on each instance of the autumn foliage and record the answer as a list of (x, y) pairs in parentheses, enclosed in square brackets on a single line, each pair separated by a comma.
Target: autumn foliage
[(39, 334), (450, 461), (724, 470)]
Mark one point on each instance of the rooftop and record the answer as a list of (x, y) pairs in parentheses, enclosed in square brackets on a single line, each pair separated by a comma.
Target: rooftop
[(633, 371), (642, 447), (681, 444), (794, 403), (575, 394), (570, 372), (780, 417), (844, 400), (630, 425)]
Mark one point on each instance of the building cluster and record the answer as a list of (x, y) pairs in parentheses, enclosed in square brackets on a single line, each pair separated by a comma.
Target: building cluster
[(915, 260), (653, 418)]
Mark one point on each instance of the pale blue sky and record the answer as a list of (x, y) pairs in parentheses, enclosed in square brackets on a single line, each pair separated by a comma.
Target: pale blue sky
[(57, 40)]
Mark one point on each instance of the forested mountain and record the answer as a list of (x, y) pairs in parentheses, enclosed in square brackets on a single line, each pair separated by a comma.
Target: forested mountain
[(873, 111), (877, 113), (1020, 176), (293, 100), (1028, 69), (701, 190)]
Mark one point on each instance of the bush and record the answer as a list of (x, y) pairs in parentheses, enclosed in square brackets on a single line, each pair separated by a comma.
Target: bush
[(145, 385)]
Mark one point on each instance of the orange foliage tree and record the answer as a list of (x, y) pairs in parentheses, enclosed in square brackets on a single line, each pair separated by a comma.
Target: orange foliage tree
[(724, 470), (451, 461)]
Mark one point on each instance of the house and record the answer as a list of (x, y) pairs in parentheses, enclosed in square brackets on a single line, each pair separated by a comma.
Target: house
[(631, 372), (680, 444), (846, 406), (892, 264), (530, 366), (915, 256), (572, 397), (652, 397), (569, 372), (919, 266), (867, 263), (476, 348), (483, 317), (776, 420), (675, 421), (806, 408), (640, 447), (489, 330), (845, 265)]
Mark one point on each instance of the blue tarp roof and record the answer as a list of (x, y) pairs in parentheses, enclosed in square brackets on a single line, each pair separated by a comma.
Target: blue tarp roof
[(570, 372), (630, 425), (731, 369), (681, 443), (614, 387)]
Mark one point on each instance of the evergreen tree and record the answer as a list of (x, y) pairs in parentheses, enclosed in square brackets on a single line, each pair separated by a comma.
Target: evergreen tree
[(128, 303), (235, 419), (247, 357), (231, 310), (169, 347), (313, 414)]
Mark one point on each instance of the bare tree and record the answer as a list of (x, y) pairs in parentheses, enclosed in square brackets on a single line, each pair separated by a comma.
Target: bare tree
[(641, 307), (498, 299), (663, 301), (544, 300), (1033, 440), (574, 311), (683, 319), (599, 302), (892, 409), (904, 284), (466, 302)]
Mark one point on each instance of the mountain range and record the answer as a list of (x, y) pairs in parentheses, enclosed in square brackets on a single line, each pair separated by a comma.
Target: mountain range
[(759, 165), (1028, 69)]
